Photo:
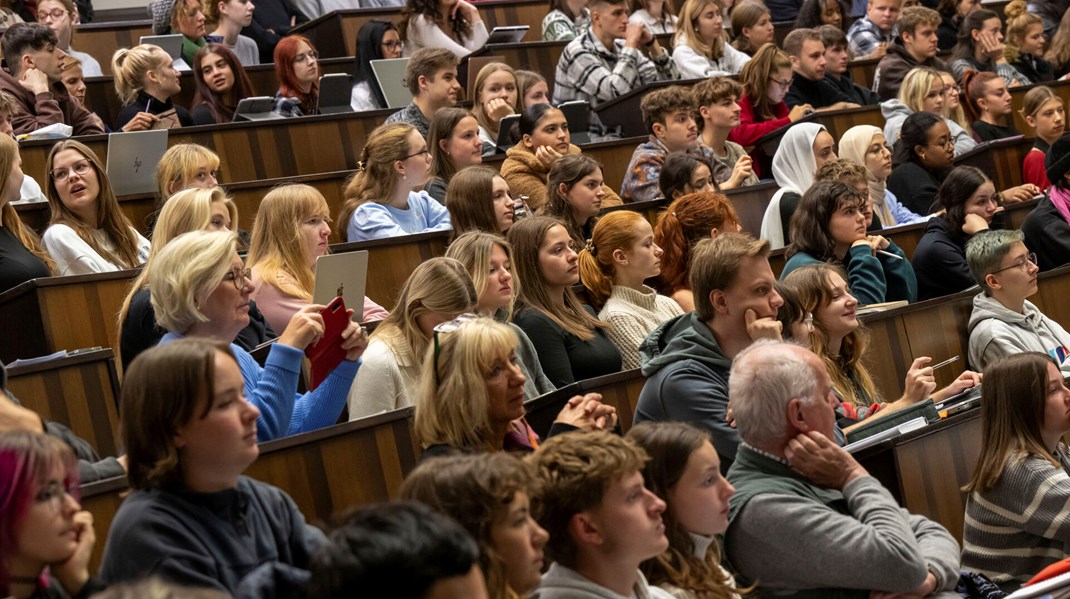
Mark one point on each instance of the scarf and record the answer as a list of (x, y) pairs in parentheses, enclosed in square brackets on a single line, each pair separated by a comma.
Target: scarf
[(1061, 199), (853, 146)]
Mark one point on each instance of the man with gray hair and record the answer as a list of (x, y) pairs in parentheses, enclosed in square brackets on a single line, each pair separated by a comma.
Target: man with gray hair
[(807, 520), (1003, 321)]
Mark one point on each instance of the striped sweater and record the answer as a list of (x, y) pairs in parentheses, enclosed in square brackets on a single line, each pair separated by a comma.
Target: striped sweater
[(1022, 524)]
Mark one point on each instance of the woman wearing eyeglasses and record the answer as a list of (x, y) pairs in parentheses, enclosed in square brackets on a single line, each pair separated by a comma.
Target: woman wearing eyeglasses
[(379, 199), (88, 232), (376, 40), (866, 145), (297, 68), (200, 288), (46, 538), (61, 16)]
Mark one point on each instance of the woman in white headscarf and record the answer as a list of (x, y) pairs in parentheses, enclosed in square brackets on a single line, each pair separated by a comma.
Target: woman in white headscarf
[(866, 145), (805, 147)]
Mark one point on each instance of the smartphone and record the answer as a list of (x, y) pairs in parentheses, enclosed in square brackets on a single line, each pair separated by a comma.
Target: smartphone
[(326, 354)]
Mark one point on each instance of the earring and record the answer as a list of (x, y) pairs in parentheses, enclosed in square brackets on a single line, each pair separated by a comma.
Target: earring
[(403, 177)]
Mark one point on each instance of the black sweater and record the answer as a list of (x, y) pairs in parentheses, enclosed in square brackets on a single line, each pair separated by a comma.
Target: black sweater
[(940, 261), (989, 132), (17, 264), (818, 94), (155, 106), (854, 92), (915, 186), (1048, 234), (564, 357)]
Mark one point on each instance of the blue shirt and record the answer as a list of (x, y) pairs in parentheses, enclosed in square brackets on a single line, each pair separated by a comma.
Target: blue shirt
[(372, 220)]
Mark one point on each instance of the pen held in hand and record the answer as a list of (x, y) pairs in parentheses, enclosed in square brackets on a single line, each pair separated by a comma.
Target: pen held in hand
[(891, 255), (946, 362)]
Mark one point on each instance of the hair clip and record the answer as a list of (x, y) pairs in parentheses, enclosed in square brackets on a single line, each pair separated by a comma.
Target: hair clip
[(589, 246), (361, 166)]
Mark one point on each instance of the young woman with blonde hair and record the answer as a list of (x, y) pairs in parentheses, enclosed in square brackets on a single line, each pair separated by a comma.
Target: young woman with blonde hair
[(455, 144), (1045, 112), (291, 231), (701, 49), (572, 343), (922, 90), (478, 200), (496, 97), (686, 221), (379, 199), (88, 231), (22, 255), (620, 256), (437, 290), (184, 166), (576, 191), (953, 102), (1024, 49), (531, 89), (146, 81)]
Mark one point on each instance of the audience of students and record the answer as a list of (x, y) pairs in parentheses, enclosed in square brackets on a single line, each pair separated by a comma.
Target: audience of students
[(62, 17), (455, 145), (815, 13), (478, 200), (297, 69), (923, 90), (1024, 49), (376, 40), (717, 100), (230, 17), (916, 46), (700, 48), (437, 291), (495, 97), (809, 86), (869, 36), (802, 151), (453, 25), (836, 73), (146, 82), (567, 20), (752, 26), (865, 145), (221, 83), (684, 174), (531, 88), (1047, 227), (669, 116), (88, 231), (1045, 112), (853, 175), (988, 105), (180, 16), (658, 16), (572, 344), (980, 48), (34, 65), (431, 77), (614, 265), (379, 199), (690, 218)]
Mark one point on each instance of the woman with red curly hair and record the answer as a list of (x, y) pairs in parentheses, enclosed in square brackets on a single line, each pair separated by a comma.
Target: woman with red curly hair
[(297, 68)]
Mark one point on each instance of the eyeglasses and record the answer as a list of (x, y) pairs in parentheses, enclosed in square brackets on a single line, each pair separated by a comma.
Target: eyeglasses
[(423, 151), (55, 15), (449, 327), (238, 277), (55, 493), (394, 46), (1030, 258), (80, 168), (310, 56), (942, 142), (781, 82)]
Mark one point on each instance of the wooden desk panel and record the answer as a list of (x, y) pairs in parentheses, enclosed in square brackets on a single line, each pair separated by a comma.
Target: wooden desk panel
[(101, 40), (1000, 160), (620, 390)]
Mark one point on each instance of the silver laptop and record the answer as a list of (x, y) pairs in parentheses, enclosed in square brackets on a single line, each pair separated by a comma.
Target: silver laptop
[(513, 34), (172, 44), (390, 73), (345, 275), (336, 90), (132, 160)]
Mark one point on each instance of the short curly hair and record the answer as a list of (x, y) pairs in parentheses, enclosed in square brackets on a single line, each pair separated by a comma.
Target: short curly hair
[(658, 105)]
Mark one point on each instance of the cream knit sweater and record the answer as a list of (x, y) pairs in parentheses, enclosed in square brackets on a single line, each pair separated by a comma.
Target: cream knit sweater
[(631, 316)]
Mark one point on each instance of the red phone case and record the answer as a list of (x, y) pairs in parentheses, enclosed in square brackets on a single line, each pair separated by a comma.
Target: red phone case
[(327, 353)]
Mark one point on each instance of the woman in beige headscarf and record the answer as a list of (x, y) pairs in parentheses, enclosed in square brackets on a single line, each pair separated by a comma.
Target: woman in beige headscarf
[(866, 145)]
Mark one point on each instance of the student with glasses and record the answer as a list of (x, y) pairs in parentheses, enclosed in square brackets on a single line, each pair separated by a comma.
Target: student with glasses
[(61, 16), (297, 68), (376, 40), (866, 145)]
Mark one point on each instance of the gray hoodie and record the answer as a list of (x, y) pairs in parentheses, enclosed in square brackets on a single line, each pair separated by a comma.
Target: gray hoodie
[(687, 381), (895, 112), (560, 582), (996, 331)]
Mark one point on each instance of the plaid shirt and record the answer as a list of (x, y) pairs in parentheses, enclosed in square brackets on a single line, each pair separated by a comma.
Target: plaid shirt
[(641, 179), (864, 37), (411, 114), (589, 71)]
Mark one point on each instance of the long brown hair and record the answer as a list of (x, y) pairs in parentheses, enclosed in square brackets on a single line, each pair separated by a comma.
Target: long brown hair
[(243, 88), (755, 78), (443, 125), (686, 221), (469, 200), (455, 26), (810, 223), (568, 171)]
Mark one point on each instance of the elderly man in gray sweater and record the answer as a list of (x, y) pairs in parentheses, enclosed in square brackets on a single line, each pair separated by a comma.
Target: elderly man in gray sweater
[(807, 520)]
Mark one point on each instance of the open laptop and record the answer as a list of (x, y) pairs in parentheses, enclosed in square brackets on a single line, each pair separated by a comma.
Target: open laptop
[(172, 44), (132, 160), (390, 73), (513, 34), (336, 90), (345, 275), (578, 115), (258, 108)]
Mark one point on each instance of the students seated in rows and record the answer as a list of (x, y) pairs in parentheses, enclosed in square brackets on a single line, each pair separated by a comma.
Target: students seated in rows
[(988, 105), (431, 76), (455, 145), (298, 72), (567, 20), (1004, 322), (1023, 468), (510, 541), (865, 145), (532, 89), (1024, 49), (915, 46), (686, 360), (61, 16), (272, 20), (73, 79), (376, 40), (684, 471), (836, 73), (146, 82), (658, 16), (853, 175), (488, 258), (830, 226), (752, 26), (923, 90), (669, 116), (576, 192), (689, 219), (1045, 113), (187, 166), (230, 17), (454, 25), (495, 98), (180, 16), (1047, 228), (192, 518), (806, 52), (869, 36), (221, 83), (572, 343), (921, 158), (794, 485), (612, 58), (544, 137), (803, 150), (48, 537), (603, 523), (437, 291), (33, 77), (700, 46), (683, 174), (980, 47), (478, 200), (379, 199), (717, 99), (765, 80), (291, 230), (815, 13), (88, 231), (619, 257)]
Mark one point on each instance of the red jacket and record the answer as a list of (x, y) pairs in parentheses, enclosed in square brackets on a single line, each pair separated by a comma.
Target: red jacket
[(750, 129), (1033, 169)]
